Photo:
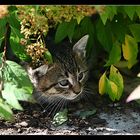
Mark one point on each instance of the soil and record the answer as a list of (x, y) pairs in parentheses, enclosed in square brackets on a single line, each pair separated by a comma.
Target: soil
[(119, 118)]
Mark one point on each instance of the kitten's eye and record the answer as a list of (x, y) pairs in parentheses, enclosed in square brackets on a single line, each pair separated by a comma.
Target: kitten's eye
[(64, 83), (80, 76)]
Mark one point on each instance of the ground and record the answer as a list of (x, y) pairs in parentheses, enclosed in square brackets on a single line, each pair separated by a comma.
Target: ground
[(118, 118)]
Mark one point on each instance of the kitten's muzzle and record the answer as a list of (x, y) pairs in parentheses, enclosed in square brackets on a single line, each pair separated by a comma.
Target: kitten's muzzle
[(76, 88)]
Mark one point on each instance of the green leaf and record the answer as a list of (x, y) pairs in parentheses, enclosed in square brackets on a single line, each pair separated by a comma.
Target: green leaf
[(16, 33), (5, 111), (117, 78), (17, 75), (112, 90), (112, 11), (115, 54), (135, 30), (9, 96), (108, 12), (130, 10), (113, 86), (85, 114), (137, 8), (18, 49), (2, 28), (71, 29), (48, 56), (61, 32), (12, 8), (104, 16), (23, 95), (60, 117), (1, 57), (13, 20), (77, 33), (79, 18), (104, 35), (119, 27), (130, 50), (87, 27), (1, 39)]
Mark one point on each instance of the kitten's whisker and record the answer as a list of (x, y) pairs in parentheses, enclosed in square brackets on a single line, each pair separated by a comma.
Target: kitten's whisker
[(41, 100), (88, 91), (55, 106), (51, 102), (88, 96), (63, 104)]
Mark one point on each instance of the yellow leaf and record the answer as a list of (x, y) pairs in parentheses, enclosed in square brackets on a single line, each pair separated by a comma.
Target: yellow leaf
[(117, 78), (102, 84), (126, 48), (130, 50)]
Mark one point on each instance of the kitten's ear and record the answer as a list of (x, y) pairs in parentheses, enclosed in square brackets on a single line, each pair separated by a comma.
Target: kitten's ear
[(38, 72), (80, 47)]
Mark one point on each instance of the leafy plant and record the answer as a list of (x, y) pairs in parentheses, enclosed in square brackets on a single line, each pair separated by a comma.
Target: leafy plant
[(113, 43), (113, 86), (60, 117)]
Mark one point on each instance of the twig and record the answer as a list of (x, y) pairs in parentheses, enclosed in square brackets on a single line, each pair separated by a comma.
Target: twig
[(3, 61)]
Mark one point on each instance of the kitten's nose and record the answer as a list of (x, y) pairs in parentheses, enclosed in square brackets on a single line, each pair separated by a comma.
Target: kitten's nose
[(77, 88)]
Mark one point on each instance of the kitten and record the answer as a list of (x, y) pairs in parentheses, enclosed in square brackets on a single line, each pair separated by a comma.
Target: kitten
[(65, 80)]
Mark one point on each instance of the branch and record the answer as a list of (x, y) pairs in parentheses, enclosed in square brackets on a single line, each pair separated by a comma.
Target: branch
[(3, 59)]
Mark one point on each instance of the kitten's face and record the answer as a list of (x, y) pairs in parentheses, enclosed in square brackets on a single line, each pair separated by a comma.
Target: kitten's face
[(64, 79)]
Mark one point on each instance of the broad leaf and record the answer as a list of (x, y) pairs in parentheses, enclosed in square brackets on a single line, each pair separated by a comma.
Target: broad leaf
[(135, 30), (119, 27), (87, 27), (130, 50), (2, 27), (112, 90), (5, 111), (115, 54), (1, 54), (79, 18), (60, 117), (104, 35), (13, 20), (117, 78), (48, 56), (61, 31), (18, 49), (1, 39), (23, 95), (102, 84), (137, 8), (71, 29), (87, 113), (130, 10), (17, 75), (16, 33), (108, 13), (9, 96)]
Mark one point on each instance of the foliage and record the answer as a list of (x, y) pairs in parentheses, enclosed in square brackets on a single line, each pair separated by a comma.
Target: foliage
[(113, 85), (60, 117), (113, 36), (83, 114)]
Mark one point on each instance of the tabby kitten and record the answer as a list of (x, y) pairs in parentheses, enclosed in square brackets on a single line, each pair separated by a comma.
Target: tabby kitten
[(63, 81)]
